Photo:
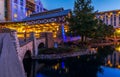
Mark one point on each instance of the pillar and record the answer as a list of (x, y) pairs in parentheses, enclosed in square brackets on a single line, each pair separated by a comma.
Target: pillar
[(49, 40), (63, 33), (33, 38)]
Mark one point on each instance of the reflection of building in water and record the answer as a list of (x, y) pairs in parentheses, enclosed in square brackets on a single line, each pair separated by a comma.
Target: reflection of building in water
[(114, 59), (50, 21)]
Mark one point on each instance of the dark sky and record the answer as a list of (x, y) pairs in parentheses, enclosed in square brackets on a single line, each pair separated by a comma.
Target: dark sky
[(100, 5)]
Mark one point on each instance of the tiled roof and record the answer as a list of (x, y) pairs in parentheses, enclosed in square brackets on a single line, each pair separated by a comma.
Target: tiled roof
[(48, 14)]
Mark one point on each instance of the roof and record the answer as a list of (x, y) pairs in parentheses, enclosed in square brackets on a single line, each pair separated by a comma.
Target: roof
[(49, 14), (117, 10)]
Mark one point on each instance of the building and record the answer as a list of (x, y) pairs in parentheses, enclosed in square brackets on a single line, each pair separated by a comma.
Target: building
[(52, 21), (38, 6), (110, 17), (14, 10)]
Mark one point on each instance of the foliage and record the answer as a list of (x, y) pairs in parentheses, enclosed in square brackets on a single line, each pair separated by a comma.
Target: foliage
[(83, 22), (102, 31)]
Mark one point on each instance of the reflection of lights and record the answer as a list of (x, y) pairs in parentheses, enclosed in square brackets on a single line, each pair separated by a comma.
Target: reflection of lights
[(63, 65), (66, 70), (111, 65), (66, 30), (56, 66), (109, 62), (78, 57), (118, 66)]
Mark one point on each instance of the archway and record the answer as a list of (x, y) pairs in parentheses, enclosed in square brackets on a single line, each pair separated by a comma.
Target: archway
[(27, 62), (41, 45)]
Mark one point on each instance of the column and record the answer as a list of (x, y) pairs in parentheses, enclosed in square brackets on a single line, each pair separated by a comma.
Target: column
[(63, 33)]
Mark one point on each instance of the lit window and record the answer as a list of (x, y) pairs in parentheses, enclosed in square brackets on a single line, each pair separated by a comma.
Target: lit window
[(15, 6), (26, 14), (21, 2), (15, 15)]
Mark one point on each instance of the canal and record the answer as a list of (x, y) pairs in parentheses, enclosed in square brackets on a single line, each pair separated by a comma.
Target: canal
[(95, 65)]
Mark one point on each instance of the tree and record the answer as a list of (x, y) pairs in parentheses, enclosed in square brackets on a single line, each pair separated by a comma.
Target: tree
[(102, 31), (82, 21)]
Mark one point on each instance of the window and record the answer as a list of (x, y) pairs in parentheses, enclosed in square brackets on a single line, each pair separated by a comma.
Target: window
[(119, 19), (15, 8), (114, 20), (37, 8), (111, 19), (103, 18), (15, 15), (114, 23), (15, 1), (21, 2), (106, 19)]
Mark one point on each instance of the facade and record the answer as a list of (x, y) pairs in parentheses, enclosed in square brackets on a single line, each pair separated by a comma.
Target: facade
[(52, 21), (110, 17), (38, 6), (2, 10), (14, 10)]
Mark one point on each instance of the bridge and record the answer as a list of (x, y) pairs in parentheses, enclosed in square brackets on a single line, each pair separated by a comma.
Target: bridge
[(14, 50), (32, 44)]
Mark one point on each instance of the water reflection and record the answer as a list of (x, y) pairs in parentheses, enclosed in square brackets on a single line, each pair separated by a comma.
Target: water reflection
[(80, 66), (84, 66), (40, 75), (113, 60)]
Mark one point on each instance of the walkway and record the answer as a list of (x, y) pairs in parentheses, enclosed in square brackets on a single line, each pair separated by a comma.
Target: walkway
[(63, 55)]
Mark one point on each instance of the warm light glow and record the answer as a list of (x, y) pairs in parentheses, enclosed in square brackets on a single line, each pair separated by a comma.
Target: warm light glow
[(119, 12), (49, 27), (117, 48), (111, 65), (117, 30), (15, 15), (109, 62), (118, 66), (111, 13)]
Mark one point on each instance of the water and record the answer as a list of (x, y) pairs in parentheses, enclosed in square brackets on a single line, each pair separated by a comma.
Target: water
[(71, 67), (109, 72), (80, 66)]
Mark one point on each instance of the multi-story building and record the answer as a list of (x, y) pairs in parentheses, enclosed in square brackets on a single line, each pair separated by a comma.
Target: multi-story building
[(30, 7), (38, 6), (110, 17), (14, 10)]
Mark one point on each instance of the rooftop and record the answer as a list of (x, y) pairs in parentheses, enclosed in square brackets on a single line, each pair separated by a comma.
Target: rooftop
[(110, 11), (48, 14)]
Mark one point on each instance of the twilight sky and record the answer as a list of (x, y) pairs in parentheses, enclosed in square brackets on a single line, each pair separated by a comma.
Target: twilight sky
[(100, 5)]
